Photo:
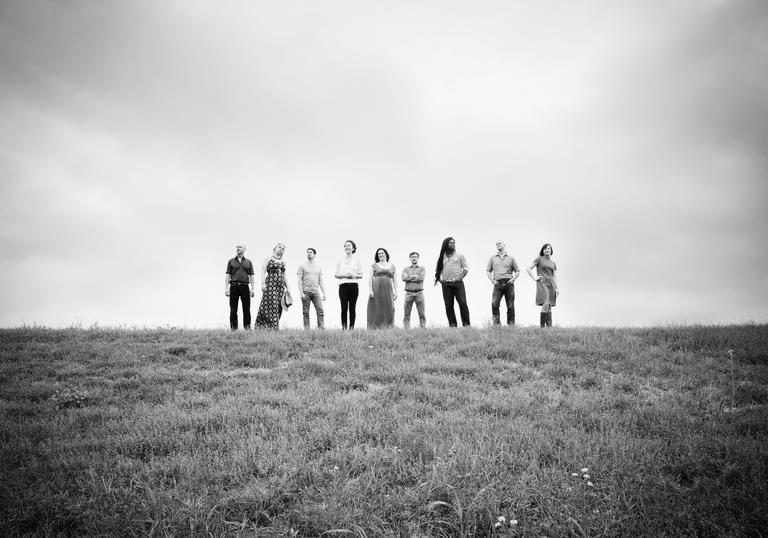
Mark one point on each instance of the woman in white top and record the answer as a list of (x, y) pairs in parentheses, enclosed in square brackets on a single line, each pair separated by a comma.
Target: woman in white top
[(349, 271)]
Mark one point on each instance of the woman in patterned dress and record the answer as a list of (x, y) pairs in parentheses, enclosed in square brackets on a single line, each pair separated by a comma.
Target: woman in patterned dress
[(273, 285), (546, 283), (382, 292)]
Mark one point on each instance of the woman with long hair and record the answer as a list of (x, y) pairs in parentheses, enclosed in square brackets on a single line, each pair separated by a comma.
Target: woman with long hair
[(382, 292), (348, 271), (273, 285), (546, 283), (450, 271)]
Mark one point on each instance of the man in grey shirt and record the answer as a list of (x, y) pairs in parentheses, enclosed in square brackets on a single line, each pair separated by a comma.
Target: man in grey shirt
[(413, 276), (502, 272), (312, 288)]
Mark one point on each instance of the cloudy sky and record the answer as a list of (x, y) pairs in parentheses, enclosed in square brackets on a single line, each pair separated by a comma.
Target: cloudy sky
[(141, 140)]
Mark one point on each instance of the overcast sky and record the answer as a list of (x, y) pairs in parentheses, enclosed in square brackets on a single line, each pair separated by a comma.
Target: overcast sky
[(141, 140)]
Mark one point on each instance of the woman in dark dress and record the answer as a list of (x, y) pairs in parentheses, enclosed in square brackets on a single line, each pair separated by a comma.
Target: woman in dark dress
[(546, 283), (382, 292), (273, 285)]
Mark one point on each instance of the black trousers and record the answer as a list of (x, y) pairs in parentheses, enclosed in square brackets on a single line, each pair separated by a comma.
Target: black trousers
[(243, 293), (348, 293), (451, 291)]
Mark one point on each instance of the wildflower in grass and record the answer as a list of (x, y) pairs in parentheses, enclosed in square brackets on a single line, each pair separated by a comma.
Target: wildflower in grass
[(512, 522), (501, 519), (590, 484), (584, 470), (585, 477), (574, 474)]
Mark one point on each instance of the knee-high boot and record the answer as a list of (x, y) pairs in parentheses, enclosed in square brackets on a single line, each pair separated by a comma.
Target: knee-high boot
[(549, 319), (543, 319)]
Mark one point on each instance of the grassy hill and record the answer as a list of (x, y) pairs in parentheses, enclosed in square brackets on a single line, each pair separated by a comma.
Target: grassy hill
[(584, 432)]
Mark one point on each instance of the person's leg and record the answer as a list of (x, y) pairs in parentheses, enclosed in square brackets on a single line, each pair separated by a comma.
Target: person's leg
[(407, 306), (420, 310), (317, 300), (449, 292), (305, 300), (354, 292), (344, 300), (461, 298), (233, 301), (509, 297), (495, 302)]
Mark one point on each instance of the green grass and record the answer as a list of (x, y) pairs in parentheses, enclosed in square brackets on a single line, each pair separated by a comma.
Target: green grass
[(422, 433)]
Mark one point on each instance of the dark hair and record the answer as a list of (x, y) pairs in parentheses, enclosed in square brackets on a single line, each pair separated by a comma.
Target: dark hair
[(545, 245), (412, 253), (376, 256), (313, 250), (439, 266), (354, 246)]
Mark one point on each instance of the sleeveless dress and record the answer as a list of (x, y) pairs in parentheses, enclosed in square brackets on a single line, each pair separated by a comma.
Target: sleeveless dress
[(270, 308), (545, 286), (381, 308)]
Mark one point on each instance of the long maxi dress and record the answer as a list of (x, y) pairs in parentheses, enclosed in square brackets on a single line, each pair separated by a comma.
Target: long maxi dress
[(270, 308), (381, 308)]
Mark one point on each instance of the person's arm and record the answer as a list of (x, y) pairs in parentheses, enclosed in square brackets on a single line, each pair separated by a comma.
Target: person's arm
[(554, 281), (406, 277), (370, 283), (515, 270), (299, 283), (489, 272), (285, 281), (530, 270), (359, 274), (264, 274), (338, 274), (419, 277), (252, 284), (464, 267), (322, 284), (394, 282), (226, 284)]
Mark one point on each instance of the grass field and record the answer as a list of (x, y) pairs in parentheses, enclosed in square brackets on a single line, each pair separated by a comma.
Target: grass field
[(564, 432)]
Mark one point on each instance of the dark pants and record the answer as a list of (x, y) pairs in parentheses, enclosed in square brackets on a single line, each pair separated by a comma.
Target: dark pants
[(506, 290), (451, 291), (243, 293), (316, 299), (348, 293)]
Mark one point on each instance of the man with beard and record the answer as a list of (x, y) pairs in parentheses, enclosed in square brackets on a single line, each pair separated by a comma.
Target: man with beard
[(450, 271)]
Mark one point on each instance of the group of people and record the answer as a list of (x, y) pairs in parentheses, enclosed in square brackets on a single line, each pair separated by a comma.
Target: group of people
[(451, 268)]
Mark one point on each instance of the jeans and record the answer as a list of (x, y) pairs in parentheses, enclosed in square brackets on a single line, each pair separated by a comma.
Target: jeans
[(348, 293), (243, 293), (411, 298), (451, 291), (316, 299), (506, 290)]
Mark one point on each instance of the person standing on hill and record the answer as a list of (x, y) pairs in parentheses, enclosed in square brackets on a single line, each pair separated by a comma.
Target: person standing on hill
[(450, 271), (239, 287), (349, 271), (310, 287), (273, 286), (413, 276), (546, 283), (502, 272), (382, 292)]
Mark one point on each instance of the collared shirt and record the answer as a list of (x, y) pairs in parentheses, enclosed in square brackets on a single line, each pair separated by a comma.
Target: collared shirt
[(419, 272), (311, 276), (502, 266), (239, 271), (453, 266)]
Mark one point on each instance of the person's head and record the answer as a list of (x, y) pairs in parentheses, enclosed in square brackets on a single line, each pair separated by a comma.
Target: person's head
[(311, 253), (546, 250), (278, 250), (450, 246), (381, 255), (350, 247), (414, 256), (240, 249), (500, 245)]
